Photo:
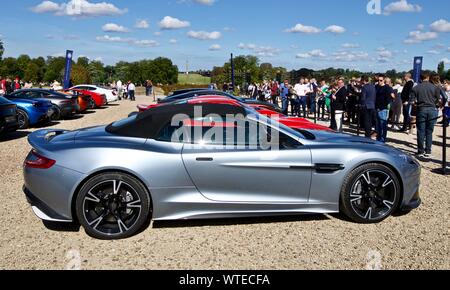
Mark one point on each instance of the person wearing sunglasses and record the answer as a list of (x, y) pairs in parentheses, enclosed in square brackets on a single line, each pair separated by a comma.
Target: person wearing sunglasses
[(385, 96)]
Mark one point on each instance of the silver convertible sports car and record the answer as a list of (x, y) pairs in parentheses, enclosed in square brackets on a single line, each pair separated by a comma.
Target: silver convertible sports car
[(172, 163)]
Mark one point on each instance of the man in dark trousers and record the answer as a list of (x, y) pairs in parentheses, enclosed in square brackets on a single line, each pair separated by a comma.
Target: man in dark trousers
[(406, 94), (427, 98), (368, 111)]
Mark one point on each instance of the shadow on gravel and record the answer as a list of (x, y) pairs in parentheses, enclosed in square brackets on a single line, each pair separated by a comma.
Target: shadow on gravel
[(238, 221), (14, 135), (52, 123), (88, 112), (62, 227), (76, 117), (112, 105)]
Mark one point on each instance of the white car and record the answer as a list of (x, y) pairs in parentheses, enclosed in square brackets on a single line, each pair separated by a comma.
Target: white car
[(111, 96)]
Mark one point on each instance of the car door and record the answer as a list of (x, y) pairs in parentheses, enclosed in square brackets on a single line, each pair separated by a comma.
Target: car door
[(234, 174)]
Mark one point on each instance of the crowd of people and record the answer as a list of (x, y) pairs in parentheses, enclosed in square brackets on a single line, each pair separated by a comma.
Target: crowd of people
[(369, 102)]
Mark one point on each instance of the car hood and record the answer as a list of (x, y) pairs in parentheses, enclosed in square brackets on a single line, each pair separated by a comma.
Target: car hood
[(333, 138)]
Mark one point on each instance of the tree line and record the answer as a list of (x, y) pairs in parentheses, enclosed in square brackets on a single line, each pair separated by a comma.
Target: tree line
[(47, 70), (248, 69)]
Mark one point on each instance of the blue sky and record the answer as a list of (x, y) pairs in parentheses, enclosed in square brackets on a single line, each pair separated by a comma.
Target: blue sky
[(290, 33)]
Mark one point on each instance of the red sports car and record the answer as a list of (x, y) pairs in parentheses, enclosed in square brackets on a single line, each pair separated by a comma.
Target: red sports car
[(99, 100), (294, 123)]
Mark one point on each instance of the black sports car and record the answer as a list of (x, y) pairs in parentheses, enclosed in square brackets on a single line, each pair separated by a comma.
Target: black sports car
[(8, 116)]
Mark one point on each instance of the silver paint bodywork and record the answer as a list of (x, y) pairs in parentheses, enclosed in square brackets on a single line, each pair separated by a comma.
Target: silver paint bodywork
[(235, 184)]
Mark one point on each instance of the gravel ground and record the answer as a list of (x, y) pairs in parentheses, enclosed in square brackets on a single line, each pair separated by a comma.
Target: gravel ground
[(419, 240)]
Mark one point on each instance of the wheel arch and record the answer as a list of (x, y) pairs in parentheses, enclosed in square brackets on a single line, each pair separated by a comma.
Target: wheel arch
[(110, 170), (391, 167)]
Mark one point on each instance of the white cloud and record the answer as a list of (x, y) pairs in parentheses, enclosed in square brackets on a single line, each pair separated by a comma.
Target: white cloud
[(267, 51), (204, 35), (421, 27), (384, 53), (401, 6), (446, 60), (146, 43), (433, 51), (46, 7), (142, 24), (112, 27), (205, 2), (78, 8), (173, 41), (440, 26), (169, 22), (350, 45), (131, 41), (336, 29), (107, 38), (419, 36), (157, 33), (215, 47), (300, 28), (350, 56), (315, 53)]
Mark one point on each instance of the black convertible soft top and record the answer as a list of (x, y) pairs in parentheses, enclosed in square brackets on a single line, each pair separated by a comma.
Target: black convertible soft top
[(148, 124)]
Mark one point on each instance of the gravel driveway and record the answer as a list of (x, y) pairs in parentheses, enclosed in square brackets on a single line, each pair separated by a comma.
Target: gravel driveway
[(420, 240)]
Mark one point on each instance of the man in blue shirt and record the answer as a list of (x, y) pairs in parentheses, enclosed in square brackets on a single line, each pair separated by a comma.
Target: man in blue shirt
[(368, 97), (284, 92)]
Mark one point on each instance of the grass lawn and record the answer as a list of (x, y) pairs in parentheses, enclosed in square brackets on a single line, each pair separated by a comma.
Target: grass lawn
[(193, 79)]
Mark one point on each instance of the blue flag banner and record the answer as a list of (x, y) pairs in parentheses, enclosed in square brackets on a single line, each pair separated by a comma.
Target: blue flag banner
[(68, 69), (417, 71)]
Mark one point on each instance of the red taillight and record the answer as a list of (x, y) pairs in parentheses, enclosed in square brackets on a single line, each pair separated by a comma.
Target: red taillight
[(38, 161)]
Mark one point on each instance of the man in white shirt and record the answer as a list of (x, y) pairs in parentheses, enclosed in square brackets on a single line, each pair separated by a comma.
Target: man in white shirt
[(301, 90), (131, 91)]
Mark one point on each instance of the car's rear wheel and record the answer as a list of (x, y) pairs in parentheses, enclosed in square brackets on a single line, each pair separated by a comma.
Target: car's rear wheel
[(370, 194), (56, 114), (113, 206), (22, 119)]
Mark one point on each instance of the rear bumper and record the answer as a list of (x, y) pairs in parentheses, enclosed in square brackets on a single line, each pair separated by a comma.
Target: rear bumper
[(42, 210)]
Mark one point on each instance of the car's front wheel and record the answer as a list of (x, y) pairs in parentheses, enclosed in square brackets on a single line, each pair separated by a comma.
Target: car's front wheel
[(113, 206), (370, 194)]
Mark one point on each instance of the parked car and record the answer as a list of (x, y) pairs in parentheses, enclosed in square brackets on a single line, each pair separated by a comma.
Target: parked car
[(31, 112), (206, 92), (64, 106), (120, 180), (85, 102), (99, 99), (8, 116), (292, 122), (111, 95)]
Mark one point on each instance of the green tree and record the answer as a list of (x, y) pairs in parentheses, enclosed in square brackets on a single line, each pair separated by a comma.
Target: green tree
[(31, 72), (97, 72), (2, 49), (441, 69), (9, 68), (83, 61), (55, 69), (22, 64), (80, 75)]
